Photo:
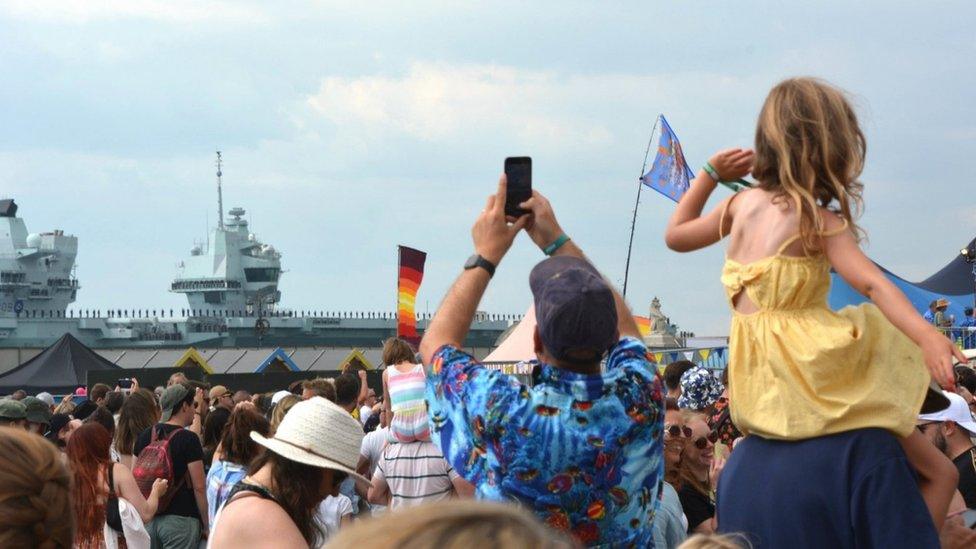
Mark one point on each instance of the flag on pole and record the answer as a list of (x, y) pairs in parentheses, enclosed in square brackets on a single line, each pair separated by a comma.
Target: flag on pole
[(643, 325), (411, 275), (669, 174)]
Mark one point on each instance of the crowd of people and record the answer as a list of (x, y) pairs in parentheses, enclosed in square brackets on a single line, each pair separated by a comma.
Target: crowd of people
[(850, 428)]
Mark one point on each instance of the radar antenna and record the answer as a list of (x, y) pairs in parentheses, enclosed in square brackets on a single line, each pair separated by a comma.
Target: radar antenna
[(220, 195)]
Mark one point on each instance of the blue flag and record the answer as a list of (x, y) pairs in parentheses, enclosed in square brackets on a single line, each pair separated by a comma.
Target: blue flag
[(669, 174)]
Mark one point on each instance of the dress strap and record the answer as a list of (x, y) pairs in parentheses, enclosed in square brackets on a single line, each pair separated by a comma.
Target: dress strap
[(725, 210), (786, 244), (839, 230)]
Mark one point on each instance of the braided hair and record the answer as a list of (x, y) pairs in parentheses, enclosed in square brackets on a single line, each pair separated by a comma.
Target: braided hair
[(35, 498)]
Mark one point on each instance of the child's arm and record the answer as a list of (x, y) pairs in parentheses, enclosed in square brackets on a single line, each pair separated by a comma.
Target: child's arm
[(863, 275), (688, 231)]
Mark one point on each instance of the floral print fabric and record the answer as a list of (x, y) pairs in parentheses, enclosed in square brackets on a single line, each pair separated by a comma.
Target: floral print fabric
[(583, 451)]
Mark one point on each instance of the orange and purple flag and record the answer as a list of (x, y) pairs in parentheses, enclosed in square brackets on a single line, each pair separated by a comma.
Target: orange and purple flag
[(411, 274)]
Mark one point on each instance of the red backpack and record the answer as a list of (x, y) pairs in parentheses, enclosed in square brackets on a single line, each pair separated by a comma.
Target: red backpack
[(155, 462)]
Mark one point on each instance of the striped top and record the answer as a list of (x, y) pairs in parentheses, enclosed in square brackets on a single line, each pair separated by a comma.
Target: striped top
[(416, 473), (409, 423)]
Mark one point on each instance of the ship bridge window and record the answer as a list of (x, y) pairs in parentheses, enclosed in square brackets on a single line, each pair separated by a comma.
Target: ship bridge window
[(261, 274), (213, 297)]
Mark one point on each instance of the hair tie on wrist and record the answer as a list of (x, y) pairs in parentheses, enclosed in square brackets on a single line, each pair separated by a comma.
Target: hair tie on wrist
[(711, 171)]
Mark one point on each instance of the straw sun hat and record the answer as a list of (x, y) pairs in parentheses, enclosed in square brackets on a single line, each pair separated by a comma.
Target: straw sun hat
[(316, 432)]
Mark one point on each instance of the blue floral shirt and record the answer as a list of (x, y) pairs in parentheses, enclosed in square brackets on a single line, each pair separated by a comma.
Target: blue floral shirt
[(583, 451)]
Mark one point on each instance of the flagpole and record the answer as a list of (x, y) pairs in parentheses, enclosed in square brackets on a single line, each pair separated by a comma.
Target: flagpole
[(633, 221), (396, 310)]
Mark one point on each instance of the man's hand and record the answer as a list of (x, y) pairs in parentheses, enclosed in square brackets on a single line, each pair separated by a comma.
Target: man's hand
[(543, 228), (492, 234)]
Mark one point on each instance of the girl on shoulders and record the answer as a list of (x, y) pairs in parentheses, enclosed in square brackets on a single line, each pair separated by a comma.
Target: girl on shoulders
[(799, 370)]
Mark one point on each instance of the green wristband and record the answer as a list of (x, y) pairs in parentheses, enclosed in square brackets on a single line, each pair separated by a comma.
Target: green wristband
[(551, 249), (711, 171)]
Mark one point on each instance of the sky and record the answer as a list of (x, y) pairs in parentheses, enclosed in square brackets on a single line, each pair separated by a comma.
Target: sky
[(348, 128)]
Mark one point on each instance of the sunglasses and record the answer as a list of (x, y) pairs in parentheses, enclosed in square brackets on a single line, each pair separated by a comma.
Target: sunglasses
[(702, 442), (677, 430), (921, 425)]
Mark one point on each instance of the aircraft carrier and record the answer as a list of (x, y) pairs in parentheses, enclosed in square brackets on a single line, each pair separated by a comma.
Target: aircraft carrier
[(231, 287)]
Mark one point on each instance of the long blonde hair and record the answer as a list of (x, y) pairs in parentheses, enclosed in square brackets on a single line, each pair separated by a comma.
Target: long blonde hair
[(455, 524), (810, 150)]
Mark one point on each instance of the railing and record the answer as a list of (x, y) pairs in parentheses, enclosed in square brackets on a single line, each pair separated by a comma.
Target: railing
[(963, 336), (192, 285)]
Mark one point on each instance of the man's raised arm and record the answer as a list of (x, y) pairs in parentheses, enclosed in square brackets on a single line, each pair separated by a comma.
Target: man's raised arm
[(492, 237), (546, 233)]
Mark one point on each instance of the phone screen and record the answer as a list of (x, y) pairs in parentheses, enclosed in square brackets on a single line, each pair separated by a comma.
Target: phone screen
[(969, 518), (518, 171), (125, 383)]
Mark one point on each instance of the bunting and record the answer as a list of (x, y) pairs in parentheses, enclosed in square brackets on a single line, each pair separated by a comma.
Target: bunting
[(411, 274)]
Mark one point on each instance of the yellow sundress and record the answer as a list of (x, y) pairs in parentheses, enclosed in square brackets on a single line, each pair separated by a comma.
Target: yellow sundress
[(799, 370)]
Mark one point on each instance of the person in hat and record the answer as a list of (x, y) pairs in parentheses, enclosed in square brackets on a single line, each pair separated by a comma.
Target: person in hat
[(314, 449), (941, 319), (699, 390), (47, 398), (60, 428), (38, 414), (951, 430), (581, 446), (13, 413), (183, 522), (221, 397)]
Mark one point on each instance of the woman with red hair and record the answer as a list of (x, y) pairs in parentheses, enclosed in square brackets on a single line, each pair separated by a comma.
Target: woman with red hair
[(109, 509)]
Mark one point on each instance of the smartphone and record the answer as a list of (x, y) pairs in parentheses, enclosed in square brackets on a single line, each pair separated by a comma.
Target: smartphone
[(124, 383), (518, 171), (969, 518)]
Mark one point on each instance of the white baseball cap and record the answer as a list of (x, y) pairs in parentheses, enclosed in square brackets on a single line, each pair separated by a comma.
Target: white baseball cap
[(276, 398), (316, 432), (957, 412)]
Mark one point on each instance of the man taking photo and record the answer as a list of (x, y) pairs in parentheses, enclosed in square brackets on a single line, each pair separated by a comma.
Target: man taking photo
[(582, 446)]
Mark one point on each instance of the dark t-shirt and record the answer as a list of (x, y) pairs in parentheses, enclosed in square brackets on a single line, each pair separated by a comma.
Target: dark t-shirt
[(966, 463), (697, 506), (848, 490), (184, 448)]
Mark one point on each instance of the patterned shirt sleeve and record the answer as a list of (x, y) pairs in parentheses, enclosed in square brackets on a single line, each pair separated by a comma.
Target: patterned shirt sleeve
[(467, 405)]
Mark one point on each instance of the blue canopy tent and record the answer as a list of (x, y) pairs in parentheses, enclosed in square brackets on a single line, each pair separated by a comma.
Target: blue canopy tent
[(954, 282)]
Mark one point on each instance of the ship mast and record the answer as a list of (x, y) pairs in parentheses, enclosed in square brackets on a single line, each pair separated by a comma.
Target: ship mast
[(220, 196)]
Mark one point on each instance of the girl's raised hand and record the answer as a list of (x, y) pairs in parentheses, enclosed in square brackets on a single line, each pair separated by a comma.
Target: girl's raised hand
[(939, 352), (732, 164)]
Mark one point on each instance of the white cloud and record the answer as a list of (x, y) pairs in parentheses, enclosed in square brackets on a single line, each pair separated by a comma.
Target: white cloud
[(176, 11), (435, 102), (438, 102)]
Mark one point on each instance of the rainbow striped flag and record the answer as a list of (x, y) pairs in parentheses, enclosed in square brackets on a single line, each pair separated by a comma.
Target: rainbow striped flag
[(643, 325), (411, 274)]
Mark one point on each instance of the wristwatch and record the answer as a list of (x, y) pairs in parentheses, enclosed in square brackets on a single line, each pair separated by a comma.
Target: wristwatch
[(478, 261)]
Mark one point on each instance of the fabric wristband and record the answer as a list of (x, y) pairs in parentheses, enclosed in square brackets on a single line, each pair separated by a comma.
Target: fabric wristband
[(711, 171), (551, 249)]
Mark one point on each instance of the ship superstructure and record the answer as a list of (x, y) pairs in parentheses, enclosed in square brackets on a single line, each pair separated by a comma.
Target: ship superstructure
[(235, 273), (36, 269)]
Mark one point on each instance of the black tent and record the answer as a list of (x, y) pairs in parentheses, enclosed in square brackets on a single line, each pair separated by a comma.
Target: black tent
[(59, 369)]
